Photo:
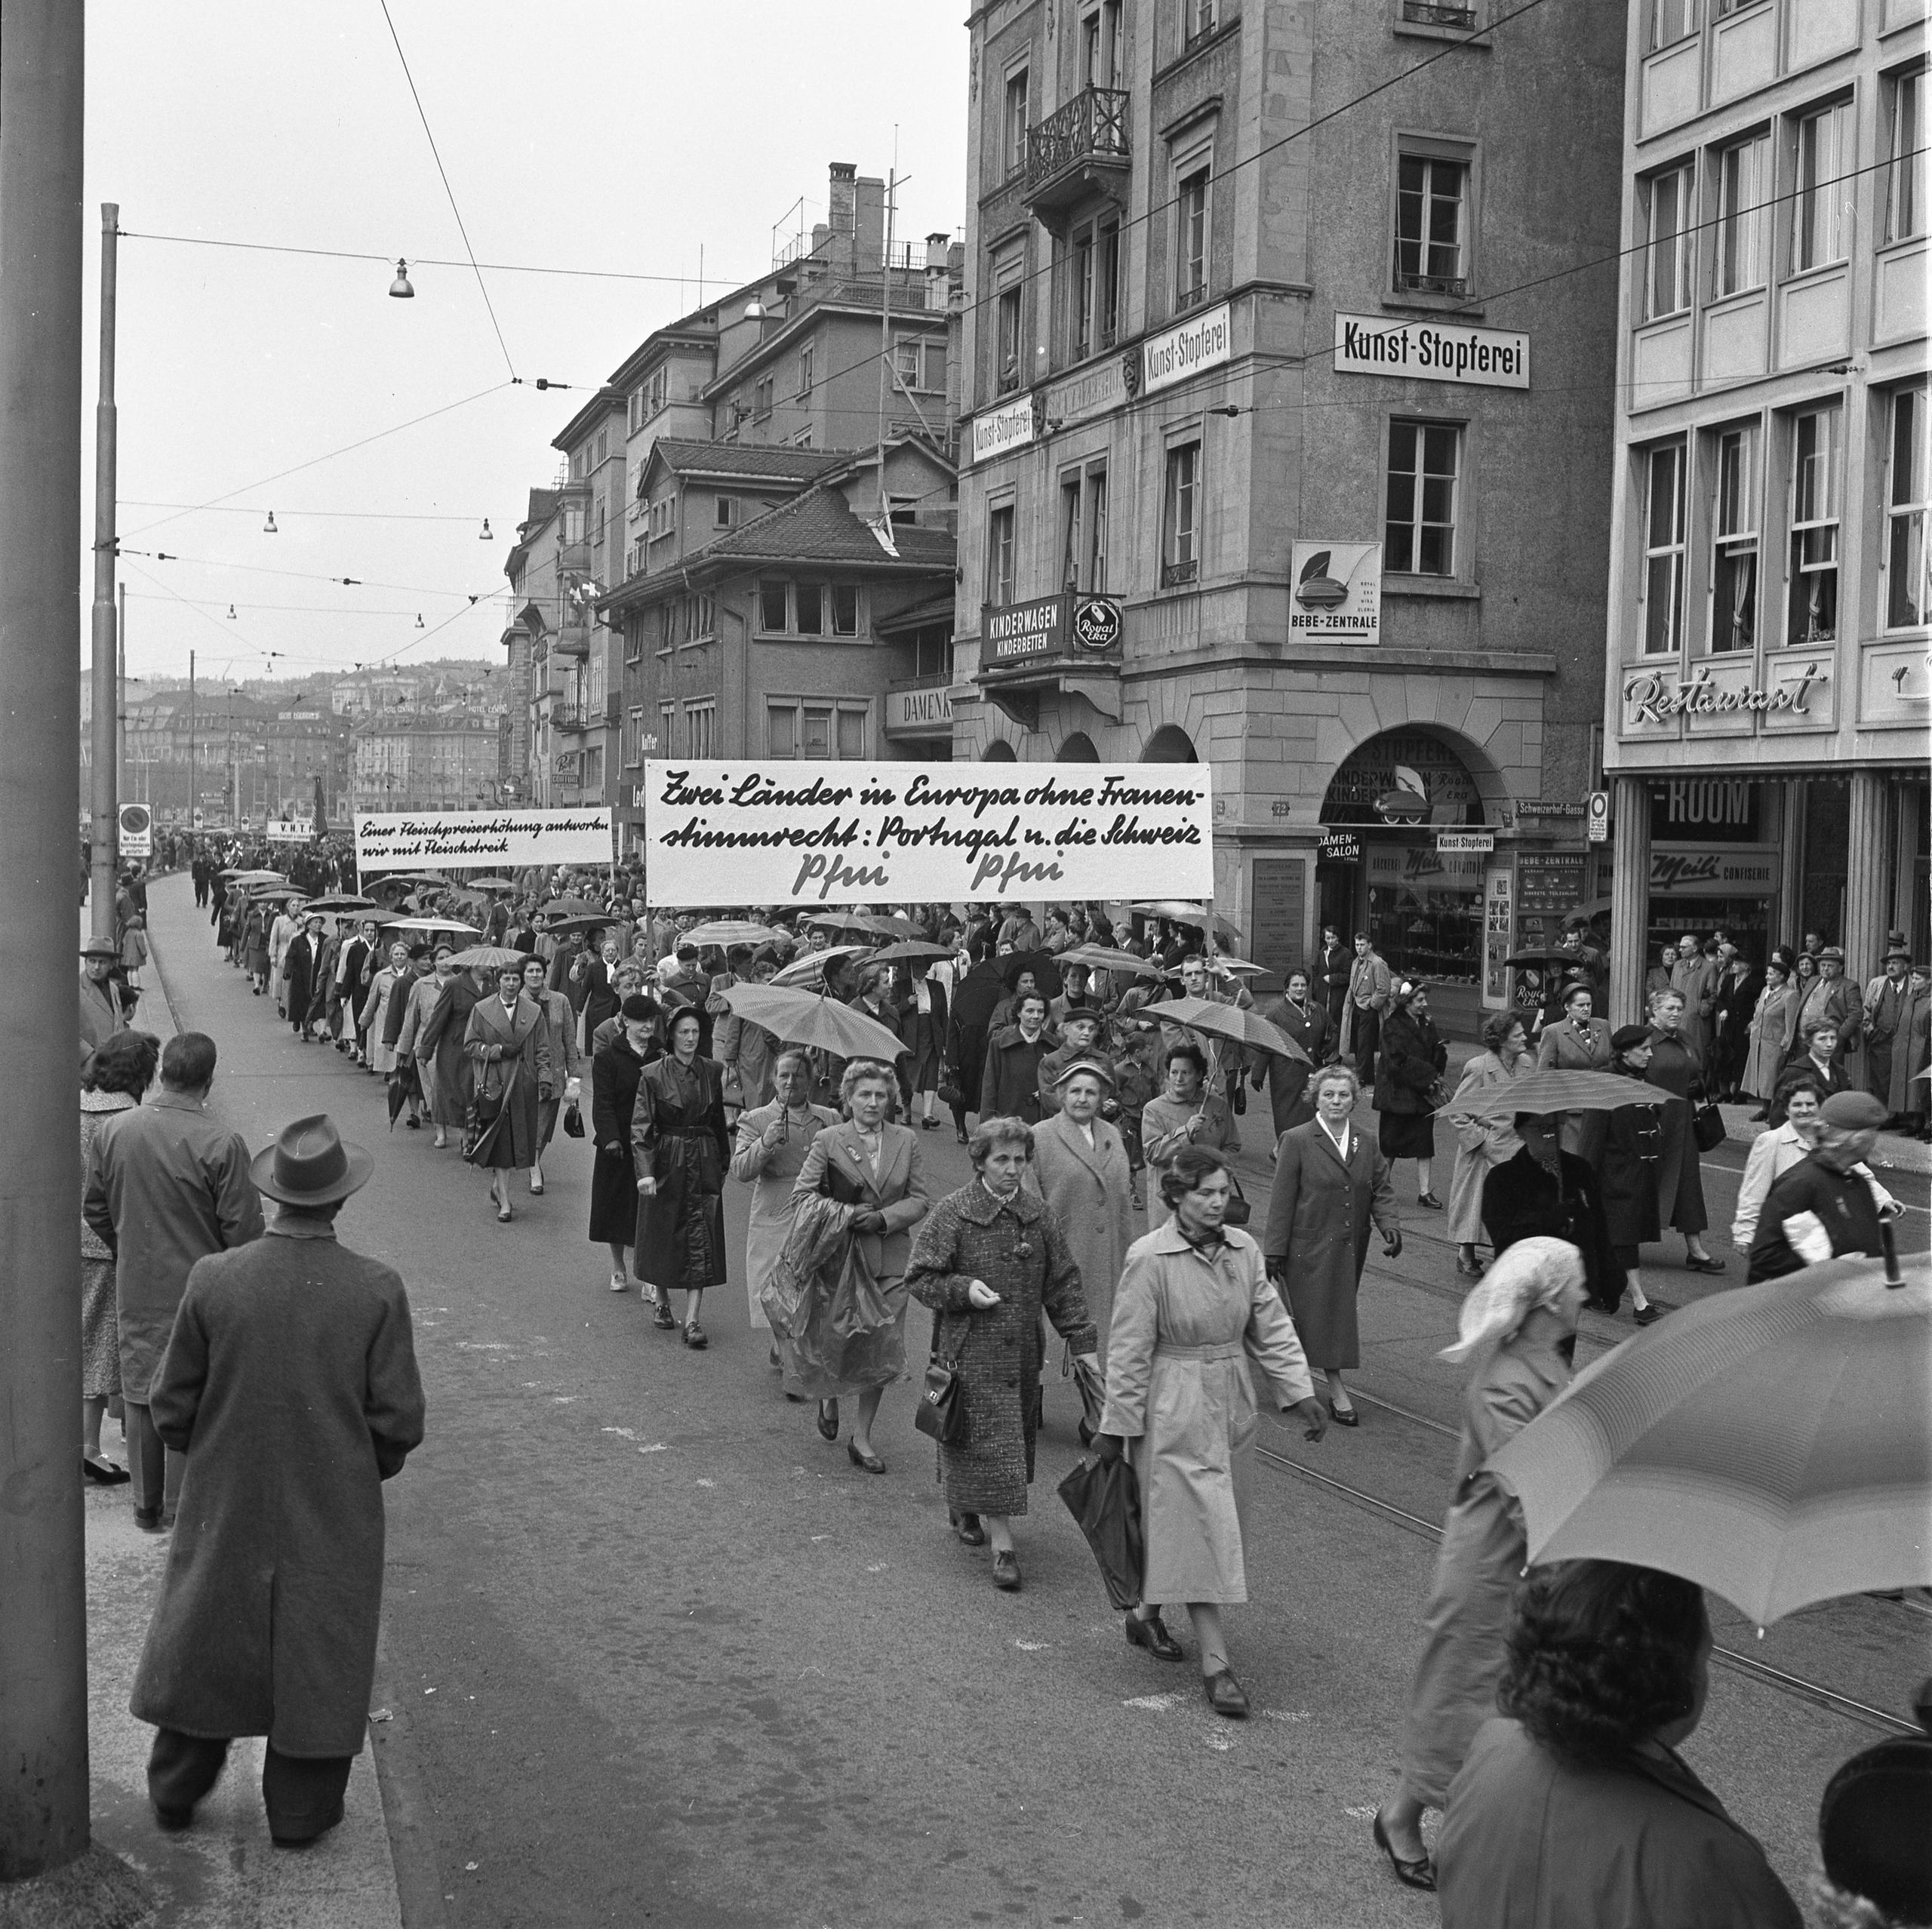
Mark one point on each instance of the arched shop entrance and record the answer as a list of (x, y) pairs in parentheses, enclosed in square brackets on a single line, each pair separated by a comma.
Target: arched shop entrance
[(1077, 748), (998, 752), (1170, 744), (1381, 870)]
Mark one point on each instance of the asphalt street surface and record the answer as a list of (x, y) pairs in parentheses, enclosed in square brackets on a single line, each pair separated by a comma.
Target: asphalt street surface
[(654, 1652)]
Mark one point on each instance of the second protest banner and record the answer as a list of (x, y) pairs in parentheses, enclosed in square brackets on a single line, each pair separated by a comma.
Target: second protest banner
[(725, 833)]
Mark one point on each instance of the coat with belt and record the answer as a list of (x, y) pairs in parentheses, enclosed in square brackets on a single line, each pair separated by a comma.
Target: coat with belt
[(1770, 1035), (1677, 1066), (510, 1051), (1091, 1191), (1192, 1328), (1319, 1209), (290, 1384), (896, 1191), (1307, 1025), (1887, 1021), (1015, 1245), (679, 1138), (166, 1186), (1484, 1547), (1531, 1842)]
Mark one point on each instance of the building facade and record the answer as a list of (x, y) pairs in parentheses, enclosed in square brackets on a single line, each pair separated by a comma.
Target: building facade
[(1296, 392), (1767, 711), (425, 761)]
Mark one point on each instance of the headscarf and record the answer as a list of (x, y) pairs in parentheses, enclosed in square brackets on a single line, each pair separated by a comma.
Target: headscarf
[(1532, 1273)]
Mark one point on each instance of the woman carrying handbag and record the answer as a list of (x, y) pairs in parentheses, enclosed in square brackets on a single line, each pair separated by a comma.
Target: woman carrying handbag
[(507, 1043)]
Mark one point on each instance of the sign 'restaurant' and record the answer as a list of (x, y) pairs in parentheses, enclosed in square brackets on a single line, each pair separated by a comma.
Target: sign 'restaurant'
[(722, 832)]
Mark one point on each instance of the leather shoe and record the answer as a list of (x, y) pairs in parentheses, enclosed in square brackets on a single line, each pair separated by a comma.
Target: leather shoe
[(1152, 1635), (1708, 1263), (104, 1473), (1006, 1572), (1647, 1315), (1430, 1200), (870, 1462), (1343, 1416), (1417, 1874), (967, 1527), (661, 1314), (695, 1337), (828, 1419), (1225, 1696), (173, 1820), (148, 1519)]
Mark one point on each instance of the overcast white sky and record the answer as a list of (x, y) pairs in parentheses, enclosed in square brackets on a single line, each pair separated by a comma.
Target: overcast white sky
[(611, 134)]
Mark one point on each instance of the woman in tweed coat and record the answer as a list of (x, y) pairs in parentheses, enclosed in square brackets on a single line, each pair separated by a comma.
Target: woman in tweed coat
[(989, 1259)]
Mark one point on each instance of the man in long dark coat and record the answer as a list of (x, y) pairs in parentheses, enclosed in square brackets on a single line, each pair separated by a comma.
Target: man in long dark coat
[(290, 1384)]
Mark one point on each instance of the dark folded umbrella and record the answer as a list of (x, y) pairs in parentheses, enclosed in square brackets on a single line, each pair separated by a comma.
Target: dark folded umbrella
[(1104, 1499), (403, 1087)]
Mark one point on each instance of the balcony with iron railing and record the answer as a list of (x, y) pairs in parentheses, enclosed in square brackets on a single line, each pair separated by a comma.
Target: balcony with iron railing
[(1078, 150)]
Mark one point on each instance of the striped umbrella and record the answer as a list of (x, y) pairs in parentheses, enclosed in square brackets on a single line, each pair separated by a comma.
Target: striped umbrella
[(1773, 1444), (1553, 1089), (731, 931)]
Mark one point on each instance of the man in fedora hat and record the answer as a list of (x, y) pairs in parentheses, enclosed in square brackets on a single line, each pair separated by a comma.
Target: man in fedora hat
[(1831, 995), (165, 1187), (104, 1004), (290, 1384)]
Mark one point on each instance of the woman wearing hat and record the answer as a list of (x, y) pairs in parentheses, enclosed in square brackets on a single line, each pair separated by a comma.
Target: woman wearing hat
[(1769, 1034), (1677, 1066), (1080, 1168), (389, 987), (1510, 1333), (615, 1069), (440, 1038), (1576, 1041), (1627, 1168), (255, 947), (1410, 1058), (1874, 1848)]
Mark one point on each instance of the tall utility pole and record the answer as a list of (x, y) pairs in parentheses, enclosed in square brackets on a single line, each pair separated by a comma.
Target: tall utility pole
[(43, 1602), (194, 782), (885, 355), (106, 640)]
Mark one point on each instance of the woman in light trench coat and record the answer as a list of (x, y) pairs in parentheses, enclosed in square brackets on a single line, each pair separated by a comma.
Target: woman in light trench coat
[(1080, 1168), (1512, 1328), (1193, 1307), (772, 1142), (1481, 1144)]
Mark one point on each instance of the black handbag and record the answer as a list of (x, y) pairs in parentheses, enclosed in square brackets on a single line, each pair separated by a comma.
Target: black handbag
[(1707, 1127), (1238, 1212), (941, 1411), (572, 1122)]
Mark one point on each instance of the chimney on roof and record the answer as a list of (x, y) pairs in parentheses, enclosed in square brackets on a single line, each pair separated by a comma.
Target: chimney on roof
[(937, 246), (869, 222), (840, 197)]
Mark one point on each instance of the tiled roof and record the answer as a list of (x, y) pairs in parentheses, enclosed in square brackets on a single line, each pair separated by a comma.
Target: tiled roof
[(819, 527), (688, 458)]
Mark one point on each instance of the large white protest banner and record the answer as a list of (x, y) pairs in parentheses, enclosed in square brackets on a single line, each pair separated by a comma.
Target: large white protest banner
[(480, 840), (723, 832)]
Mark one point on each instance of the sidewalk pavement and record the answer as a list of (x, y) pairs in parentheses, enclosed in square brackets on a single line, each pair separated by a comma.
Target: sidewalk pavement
[(224, 1872)]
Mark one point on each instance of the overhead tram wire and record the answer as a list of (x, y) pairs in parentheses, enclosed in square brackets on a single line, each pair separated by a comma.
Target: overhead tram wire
[(215, 502), (357, 515), (430, 134), (301, 575)]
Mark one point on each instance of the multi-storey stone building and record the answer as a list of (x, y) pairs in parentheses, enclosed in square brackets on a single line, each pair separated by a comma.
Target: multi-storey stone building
[(1770, 597), (1287, 337)]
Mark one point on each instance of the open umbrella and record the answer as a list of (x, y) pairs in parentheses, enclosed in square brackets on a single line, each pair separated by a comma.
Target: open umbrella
[(489, 957), (1773, 1444), (430, 926), (582, 921), (1100, 957), (1228, 1021), (812, 964), (908, 951), (1178, 912), (1537, 956), (491, 884), (340, 906), (730, 932), (416, 876), (245, 877), (810, 1018), (572, 907), (1554, 1090), (870, 924)]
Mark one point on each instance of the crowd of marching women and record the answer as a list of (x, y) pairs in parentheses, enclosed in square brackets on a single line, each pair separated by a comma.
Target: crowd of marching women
[(1099, 1071)]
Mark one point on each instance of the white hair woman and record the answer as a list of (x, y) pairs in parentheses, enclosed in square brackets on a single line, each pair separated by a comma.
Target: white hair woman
[(1516, 1330)]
